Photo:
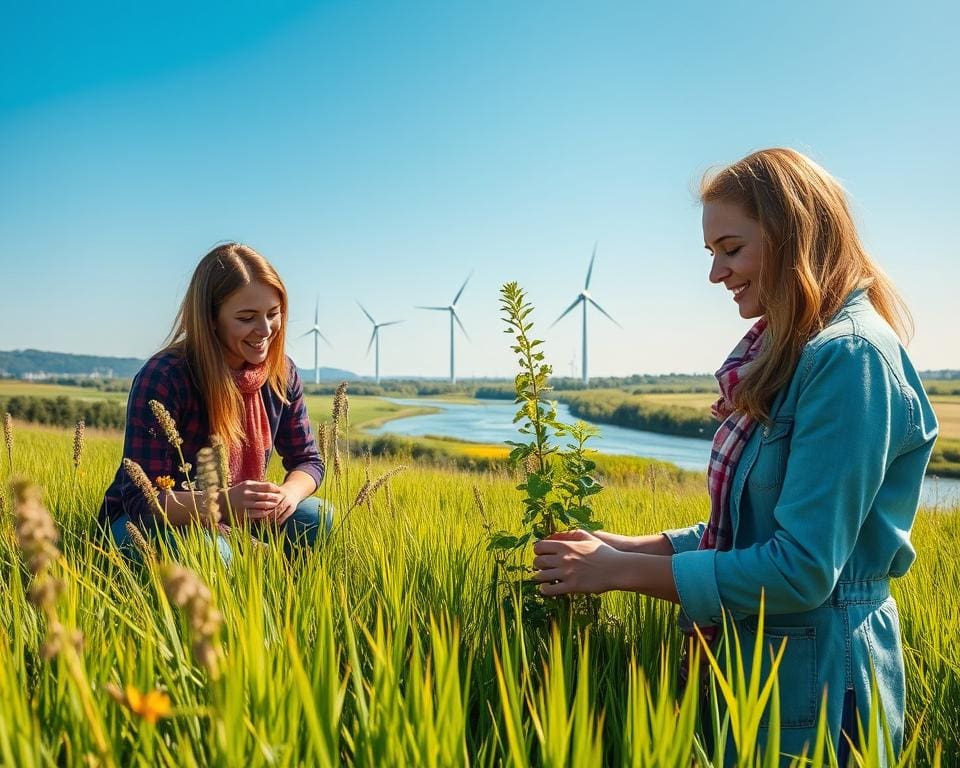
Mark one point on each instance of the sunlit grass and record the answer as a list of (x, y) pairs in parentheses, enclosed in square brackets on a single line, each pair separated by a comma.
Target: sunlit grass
[(386, 646)]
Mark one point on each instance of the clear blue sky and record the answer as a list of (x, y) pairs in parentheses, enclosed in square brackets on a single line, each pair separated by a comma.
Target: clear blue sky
[(382, 151)]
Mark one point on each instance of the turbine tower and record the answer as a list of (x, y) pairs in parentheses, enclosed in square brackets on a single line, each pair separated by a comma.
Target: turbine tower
[(452, 309), (375, 338), (317, 335), (585, 298)]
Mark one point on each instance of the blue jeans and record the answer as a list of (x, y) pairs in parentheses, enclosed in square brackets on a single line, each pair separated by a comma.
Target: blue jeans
[(300, 530)]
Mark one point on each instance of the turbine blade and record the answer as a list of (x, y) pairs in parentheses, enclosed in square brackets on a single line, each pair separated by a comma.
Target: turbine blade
[(366, 313), (457, 318), (372, 337), (325, 339), (586, 285), (305, 334), (440, 308), (392, 322), (316, 312), (457, 297), (605, 313), (567, 310)]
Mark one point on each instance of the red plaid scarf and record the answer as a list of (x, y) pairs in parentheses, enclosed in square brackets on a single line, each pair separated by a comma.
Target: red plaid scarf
[(728, 444)]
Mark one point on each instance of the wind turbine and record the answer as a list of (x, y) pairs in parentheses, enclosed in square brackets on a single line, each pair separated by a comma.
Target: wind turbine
[(317, 335), (452, 309), (376, 338), (585, 298)]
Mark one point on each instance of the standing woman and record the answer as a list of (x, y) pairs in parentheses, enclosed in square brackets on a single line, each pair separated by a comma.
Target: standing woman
[(224, 372), (816, 469)]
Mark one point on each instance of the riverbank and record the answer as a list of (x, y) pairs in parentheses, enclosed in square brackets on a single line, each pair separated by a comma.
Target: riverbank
[(688, 415)]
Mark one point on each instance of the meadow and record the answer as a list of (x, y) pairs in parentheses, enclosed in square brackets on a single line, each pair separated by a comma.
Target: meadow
[(390, 645)]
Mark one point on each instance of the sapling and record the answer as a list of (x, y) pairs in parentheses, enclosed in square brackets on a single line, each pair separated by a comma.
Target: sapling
[(557, 481)]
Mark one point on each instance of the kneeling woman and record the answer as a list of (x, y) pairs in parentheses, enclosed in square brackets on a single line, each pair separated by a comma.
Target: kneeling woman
[(224, 373), (816, 468)]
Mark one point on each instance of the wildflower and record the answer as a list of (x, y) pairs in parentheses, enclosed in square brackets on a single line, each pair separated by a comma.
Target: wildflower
[(78, 444), (151, 706), (139, 478), (166, 422), (164, 482)]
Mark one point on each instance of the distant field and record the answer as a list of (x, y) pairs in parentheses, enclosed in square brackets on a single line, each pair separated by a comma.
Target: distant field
[(15, 387), (685, 399), (948, 413)]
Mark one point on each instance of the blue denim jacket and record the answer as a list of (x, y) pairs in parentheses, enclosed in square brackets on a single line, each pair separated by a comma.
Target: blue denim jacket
[(822, 503)]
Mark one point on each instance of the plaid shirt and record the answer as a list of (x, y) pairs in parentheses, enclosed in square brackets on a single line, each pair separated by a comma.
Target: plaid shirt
[(166, 378)]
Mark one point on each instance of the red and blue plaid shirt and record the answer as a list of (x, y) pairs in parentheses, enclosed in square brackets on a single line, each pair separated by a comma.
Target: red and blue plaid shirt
[(166, 378)]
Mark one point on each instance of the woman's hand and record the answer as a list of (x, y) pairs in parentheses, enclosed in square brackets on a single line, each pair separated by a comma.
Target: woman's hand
[(252, 500), (576, 561), (287, 506)]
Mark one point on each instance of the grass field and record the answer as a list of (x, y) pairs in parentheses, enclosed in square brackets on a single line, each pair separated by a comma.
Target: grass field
[(386, 647), (948, 414)]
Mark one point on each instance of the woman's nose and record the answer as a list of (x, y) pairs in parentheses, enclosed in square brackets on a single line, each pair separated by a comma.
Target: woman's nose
[(718, 272)]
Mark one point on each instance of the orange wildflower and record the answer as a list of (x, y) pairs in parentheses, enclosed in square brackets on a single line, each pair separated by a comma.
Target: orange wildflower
[(164, 483), (151, 706)]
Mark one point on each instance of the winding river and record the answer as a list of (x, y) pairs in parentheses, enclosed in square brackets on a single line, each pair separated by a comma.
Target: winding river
[(491, 421)]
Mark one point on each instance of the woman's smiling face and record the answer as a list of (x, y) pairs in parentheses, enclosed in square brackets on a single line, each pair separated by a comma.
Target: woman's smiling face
[(736, 242), (247, 322)]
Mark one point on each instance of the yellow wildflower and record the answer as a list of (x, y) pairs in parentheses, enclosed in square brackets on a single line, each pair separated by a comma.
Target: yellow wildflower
[(164, 483), (151, 706)]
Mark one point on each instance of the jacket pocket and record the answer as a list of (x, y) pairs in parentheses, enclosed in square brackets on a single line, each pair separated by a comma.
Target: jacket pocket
[(798, 673), (768, 468)]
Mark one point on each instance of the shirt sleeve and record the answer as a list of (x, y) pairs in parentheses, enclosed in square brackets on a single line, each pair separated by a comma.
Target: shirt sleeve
[(849, 423), (685, 539), (144, 442), (294, 441)]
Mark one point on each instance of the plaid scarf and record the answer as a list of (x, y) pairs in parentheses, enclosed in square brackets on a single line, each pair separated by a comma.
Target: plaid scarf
[(248, 459), (728, 444)]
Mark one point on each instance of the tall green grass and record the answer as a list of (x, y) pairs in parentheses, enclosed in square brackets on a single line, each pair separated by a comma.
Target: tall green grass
[(387, 646)]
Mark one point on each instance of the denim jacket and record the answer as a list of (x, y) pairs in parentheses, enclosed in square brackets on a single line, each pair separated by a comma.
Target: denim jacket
[(822, 503)]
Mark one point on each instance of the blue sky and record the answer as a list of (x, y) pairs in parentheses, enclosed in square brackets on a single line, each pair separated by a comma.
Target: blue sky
[(380, 152)]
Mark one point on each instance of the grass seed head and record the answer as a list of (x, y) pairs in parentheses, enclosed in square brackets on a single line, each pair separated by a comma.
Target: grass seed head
[(139, 478), (341, 408), (223, 460), (78, 443), (186, 590), (208, 476), (8, 434), (140, 541), (166, 422), (35, 530)]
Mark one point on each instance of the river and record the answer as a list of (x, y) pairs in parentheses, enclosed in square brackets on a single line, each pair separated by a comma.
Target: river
[(491, 421)]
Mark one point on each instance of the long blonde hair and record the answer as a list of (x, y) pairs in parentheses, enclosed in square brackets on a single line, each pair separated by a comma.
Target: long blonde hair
[(221, 272), (811, 259)]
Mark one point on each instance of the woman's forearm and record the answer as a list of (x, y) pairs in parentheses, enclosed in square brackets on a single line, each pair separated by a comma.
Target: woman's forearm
[(302, 484), (648, 574), (652, 544)]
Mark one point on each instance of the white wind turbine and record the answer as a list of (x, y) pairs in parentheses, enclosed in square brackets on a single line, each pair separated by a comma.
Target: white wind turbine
[(375, 338), (317, 335), (452, 309), (584, 298)]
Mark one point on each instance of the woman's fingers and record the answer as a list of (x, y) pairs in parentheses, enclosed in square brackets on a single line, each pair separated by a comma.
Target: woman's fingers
[(547, 574), (545, 561)]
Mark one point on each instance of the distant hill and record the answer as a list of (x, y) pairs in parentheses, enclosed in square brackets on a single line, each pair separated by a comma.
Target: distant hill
[(25, 362), (21, 363)]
